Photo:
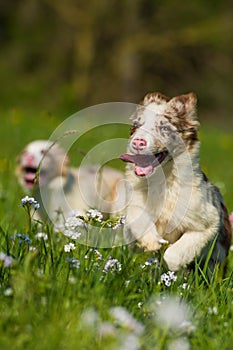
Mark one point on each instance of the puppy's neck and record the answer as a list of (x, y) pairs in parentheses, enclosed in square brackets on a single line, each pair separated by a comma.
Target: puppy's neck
[(183, 167)]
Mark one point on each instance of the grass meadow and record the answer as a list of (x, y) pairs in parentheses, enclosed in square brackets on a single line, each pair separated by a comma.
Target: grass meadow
[(59, 296)]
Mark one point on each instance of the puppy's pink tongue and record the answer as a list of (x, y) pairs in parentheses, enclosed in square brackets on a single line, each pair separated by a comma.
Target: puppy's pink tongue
[(139, 171), (29, 176), (142, 160), (143, 163)]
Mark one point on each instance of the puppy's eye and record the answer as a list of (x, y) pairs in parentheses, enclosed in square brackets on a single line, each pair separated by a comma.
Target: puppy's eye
[(134, 128), (164, 128)]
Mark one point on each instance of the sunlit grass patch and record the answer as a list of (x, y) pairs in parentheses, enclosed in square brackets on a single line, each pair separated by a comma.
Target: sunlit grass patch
[(103, 297)]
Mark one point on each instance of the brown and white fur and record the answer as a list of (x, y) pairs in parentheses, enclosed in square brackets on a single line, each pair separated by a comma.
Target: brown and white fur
[(171, 199), (60, 188)]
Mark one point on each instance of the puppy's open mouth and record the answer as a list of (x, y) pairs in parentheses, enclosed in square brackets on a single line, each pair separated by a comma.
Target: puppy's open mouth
[(144, 163), (29, 176)]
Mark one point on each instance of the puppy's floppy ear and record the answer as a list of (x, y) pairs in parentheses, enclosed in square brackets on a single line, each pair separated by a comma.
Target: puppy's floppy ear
[(184, 105)]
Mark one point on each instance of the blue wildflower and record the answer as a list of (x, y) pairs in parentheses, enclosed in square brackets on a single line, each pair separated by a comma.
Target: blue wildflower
[(74, 263), (112, 265), (29, 201), (21, 238)]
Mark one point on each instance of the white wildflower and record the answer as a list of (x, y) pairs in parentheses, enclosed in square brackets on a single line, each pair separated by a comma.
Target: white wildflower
[(8, 292), (69, 247), (185, 286), (130, 342), (126, 320), (72, 227), (173, 314), (151, 261), (72, 280), (6, 259), (96, 253), (127, 283), (179, 344), (168, 277), (71, 234), (72, 223), (187, 327), (42, 235), (112, 265), (120, 222), (213, 310), (89, 317), (36, 206), (106, 329), (32, 248), (95, 214)]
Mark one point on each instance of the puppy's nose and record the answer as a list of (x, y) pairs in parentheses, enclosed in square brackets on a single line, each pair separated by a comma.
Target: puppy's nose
[(29, 158), (139, 144)]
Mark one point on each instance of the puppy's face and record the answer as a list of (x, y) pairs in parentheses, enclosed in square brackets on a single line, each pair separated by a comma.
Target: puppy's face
[(39, 163), (161, 129)]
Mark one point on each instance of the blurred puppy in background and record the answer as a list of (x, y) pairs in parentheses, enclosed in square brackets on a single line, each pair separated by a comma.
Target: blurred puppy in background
[(43, 171)]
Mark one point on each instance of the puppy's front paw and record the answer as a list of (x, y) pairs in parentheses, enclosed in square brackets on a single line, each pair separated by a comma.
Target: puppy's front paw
[(172, 259), (150, 242)]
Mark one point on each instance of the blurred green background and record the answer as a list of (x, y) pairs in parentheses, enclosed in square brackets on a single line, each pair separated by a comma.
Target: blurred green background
[(65, 55), (58, 57)]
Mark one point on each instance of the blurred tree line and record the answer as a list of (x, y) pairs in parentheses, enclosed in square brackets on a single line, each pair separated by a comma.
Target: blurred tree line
[(75, 53)]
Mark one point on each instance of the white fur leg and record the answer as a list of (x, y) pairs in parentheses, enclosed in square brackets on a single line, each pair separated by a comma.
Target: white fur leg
[(186, 249), (140, 227)]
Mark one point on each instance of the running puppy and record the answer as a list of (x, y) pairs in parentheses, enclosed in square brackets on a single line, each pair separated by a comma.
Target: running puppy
[(171, 199), (43, 171)]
